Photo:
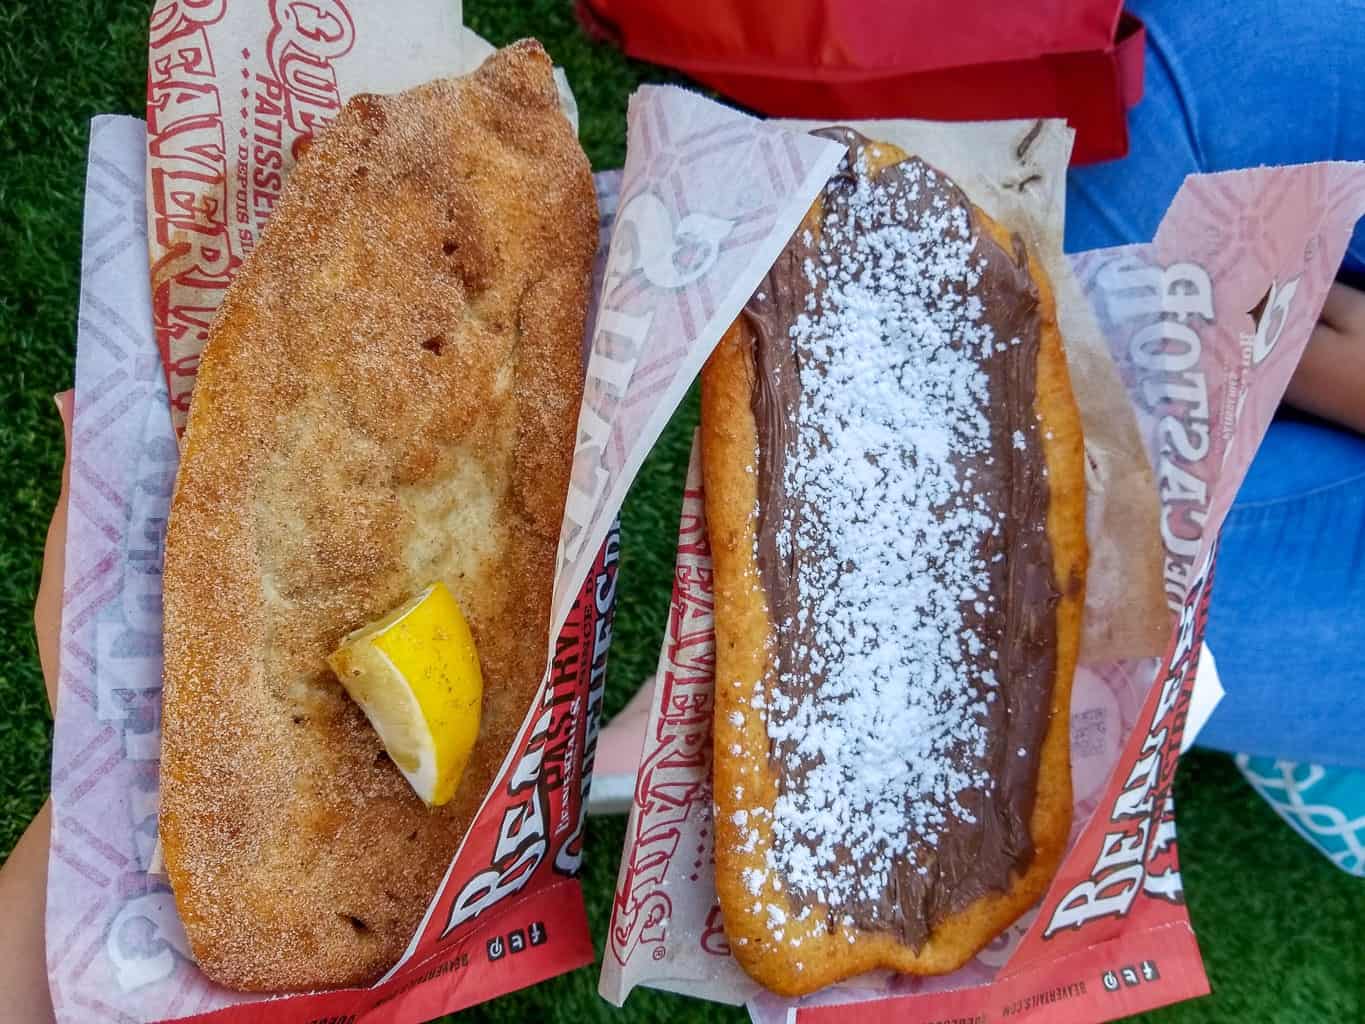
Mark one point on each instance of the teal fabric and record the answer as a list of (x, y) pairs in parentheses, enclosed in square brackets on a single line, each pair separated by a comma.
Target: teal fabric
[(1322, 803)]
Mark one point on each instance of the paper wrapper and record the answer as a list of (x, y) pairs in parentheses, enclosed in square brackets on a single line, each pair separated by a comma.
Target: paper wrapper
[(509, 911), (1203, 329)]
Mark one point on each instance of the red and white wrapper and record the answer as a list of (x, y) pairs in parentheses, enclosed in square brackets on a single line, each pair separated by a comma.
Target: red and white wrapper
[(1205, 326), (235, 90)]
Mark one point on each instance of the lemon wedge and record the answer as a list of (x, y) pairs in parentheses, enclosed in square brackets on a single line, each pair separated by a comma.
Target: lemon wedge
[(415, 674)]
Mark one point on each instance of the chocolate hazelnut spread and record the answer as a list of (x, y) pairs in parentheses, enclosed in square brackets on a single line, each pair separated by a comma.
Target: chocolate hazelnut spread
[(963, 842)]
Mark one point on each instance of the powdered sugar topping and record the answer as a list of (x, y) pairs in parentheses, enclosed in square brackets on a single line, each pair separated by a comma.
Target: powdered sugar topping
[(887, 532)]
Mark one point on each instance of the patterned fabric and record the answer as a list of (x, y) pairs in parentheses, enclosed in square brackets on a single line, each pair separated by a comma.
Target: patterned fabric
[(1324, 804)]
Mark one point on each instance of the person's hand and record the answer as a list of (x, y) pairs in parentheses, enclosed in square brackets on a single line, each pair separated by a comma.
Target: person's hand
[(1330, 379), (23, 878), (47, 608)]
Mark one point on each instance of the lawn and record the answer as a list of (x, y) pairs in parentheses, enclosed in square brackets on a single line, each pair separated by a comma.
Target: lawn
[(1280, 928)]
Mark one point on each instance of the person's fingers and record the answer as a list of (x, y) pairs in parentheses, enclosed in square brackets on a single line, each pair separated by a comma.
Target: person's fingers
[(1330, 379), (47, 607), (1344, 310)]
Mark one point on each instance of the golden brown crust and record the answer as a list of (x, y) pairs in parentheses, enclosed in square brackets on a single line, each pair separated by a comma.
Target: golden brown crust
[(388, 396), (743, 632)]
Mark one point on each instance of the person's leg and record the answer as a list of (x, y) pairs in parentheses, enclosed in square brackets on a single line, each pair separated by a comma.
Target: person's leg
[(1286, 621), (1121, 202), (1228, 85)]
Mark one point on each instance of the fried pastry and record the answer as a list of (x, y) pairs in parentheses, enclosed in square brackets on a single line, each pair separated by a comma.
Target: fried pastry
[(894, 494), (387, 398)]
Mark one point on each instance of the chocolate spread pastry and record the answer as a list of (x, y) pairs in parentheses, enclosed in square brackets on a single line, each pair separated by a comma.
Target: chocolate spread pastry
[(896, 831)]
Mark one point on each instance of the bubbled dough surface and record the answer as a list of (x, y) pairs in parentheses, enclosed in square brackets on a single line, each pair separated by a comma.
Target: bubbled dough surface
[(387, 397)]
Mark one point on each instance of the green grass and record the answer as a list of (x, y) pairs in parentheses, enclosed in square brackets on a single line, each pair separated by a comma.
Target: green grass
[(1280, 928)]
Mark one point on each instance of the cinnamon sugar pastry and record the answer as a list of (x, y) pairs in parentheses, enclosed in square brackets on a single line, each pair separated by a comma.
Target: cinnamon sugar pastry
[(388, 397), (895, 499)]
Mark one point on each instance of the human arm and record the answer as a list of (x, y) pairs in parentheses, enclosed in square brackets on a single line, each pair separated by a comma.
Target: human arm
[(23, 954), (23, 876), (1330, 379)]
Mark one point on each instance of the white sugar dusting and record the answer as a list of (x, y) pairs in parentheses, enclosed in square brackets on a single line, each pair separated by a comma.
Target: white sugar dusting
[(893, 396)]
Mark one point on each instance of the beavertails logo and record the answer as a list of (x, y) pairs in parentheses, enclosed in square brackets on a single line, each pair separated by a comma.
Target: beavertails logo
[(1137, 852), (188, 234), (1162, 310), (675, 770), (522, 836), (544, 797), (286, 105), (201, 222)]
